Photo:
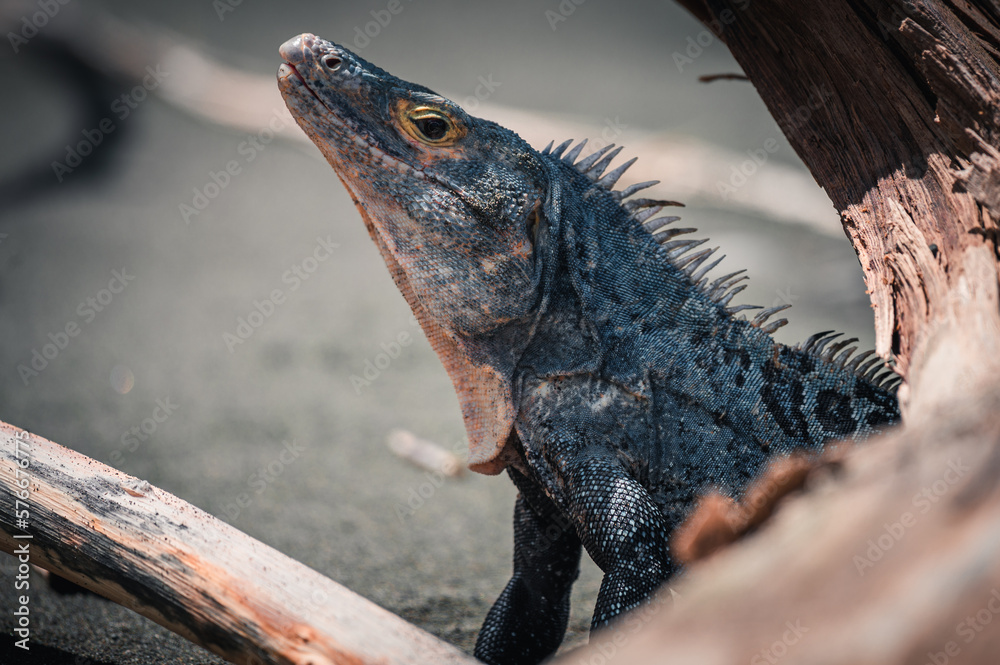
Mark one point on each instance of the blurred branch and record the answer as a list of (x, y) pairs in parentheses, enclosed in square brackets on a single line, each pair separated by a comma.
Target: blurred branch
[(189, 572)]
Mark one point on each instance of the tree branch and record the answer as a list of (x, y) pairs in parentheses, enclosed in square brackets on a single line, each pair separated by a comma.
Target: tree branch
[(189, 572)]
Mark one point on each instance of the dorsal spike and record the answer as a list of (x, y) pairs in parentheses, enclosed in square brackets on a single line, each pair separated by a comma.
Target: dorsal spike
[(858, 359), (736, 309), (830, 352), (639, 186), (571, 156), (811, 342), (818, 348), (697, 276), (547, 149), (844, 356), (774, 325), (721, 281), (695, 259), (884, 377), (717, 293), (876, 369), (655, 224), (557, 153), (671, 233), (643, 215), (634, 204), (865, 367), (764, 315), (724, 300), (675, 248), (595, 171), (610, 178), (584, 164)]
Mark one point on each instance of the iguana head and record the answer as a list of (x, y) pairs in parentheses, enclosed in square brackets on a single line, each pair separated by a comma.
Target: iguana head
[(450, 200)]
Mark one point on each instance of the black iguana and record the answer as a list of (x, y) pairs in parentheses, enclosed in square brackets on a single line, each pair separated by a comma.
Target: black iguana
[(594, 358)]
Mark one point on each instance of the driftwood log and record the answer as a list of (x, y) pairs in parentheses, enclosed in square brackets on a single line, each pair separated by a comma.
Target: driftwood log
[(146, 549), (895, 108)]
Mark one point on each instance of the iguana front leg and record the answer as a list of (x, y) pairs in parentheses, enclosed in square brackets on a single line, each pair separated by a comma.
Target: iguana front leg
[(573, 453), (621, 527), (528, 620), (623, 531)]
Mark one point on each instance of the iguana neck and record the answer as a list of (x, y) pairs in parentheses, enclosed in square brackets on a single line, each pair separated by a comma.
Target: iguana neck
[(636, 305)]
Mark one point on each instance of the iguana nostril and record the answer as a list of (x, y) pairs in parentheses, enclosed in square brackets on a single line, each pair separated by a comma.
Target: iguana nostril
[(332, 62)]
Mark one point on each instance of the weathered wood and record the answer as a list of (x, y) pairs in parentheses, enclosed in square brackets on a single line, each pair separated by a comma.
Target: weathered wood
[(188, 571), (895, 108)]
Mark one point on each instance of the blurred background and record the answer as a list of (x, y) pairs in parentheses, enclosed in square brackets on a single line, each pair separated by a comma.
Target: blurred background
[(132, 262)]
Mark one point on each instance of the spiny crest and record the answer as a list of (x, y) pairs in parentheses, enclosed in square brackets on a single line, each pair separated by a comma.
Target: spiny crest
[(843, 353), (696, 265)]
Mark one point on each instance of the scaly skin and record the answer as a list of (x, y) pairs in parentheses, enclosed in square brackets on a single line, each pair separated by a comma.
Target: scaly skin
[(592, 357)]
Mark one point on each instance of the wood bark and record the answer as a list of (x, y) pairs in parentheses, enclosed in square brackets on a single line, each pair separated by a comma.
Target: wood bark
[(895, 108), (146, 549)]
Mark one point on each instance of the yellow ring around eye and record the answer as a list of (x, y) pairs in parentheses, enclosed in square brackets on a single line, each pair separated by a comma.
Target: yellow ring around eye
[(413, 118)]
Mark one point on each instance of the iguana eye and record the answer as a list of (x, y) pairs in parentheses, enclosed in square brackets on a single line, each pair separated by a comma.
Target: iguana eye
[(431, 126)]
